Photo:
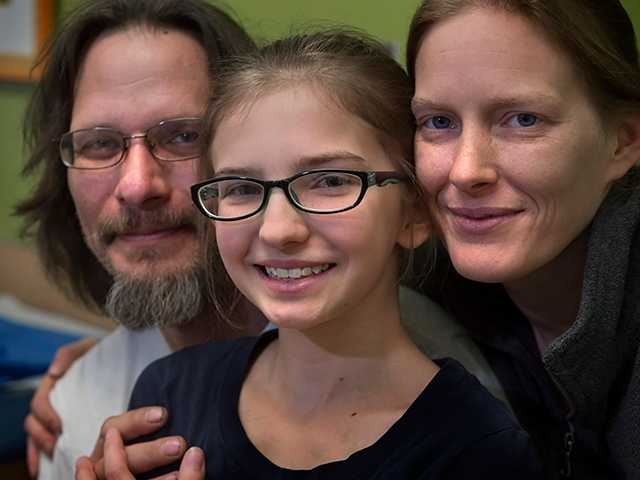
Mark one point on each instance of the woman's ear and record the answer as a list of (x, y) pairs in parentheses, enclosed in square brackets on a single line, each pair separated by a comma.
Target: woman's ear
[(627, 152), (417, 227)]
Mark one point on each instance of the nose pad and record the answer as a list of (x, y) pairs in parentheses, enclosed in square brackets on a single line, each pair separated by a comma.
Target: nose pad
[(294, 195)]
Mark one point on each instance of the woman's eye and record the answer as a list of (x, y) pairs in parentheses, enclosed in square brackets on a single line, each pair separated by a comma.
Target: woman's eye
[(523, 120), (438, 122)]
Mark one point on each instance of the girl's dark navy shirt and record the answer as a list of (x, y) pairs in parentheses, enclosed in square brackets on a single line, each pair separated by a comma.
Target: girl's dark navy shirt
[(455, 429)]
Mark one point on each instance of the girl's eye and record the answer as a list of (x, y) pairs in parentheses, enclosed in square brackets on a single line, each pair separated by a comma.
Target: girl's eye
[(333, 181), (438, 122), (240, 190), (523, 120)]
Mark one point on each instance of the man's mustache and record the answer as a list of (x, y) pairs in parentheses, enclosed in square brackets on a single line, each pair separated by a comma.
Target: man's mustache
[(132, 221)]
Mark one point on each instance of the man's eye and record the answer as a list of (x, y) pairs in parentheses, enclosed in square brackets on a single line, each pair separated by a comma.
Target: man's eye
[(99, 145), (438, 122), (185, 137)]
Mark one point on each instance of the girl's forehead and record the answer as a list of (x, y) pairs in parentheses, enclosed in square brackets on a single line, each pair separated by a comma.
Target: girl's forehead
[(295, 127)]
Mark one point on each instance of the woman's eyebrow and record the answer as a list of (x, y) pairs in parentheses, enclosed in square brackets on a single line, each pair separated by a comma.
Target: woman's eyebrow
[(503, 101)]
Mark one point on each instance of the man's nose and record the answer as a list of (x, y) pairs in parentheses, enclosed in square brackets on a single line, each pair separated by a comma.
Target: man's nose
[(143, 180)]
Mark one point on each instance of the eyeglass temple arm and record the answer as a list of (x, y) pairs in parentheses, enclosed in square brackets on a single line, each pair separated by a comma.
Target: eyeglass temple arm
[(382, 179)]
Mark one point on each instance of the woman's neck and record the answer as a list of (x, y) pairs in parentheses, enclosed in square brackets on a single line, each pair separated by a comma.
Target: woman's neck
[(550, 297)]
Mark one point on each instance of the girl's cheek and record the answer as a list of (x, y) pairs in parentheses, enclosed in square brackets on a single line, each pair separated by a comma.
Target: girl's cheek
[(233, 241)]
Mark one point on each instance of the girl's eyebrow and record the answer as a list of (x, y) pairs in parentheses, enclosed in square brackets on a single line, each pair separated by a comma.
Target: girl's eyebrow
[(327, 158), (311, 162)]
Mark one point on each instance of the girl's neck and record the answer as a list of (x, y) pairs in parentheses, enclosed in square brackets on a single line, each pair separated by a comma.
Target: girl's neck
[(550, 297), (347, 356), (332, 390)]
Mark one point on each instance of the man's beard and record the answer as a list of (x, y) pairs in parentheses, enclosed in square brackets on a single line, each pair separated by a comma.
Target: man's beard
[(171, 299), (163, 299)]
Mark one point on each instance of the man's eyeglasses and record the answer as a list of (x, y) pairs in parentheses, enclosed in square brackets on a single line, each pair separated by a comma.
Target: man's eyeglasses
[(102, 147), (317, 191)]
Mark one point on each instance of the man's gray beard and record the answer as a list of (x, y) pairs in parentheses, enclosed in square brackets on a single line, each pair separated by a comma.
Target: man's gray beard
[(167, 300)]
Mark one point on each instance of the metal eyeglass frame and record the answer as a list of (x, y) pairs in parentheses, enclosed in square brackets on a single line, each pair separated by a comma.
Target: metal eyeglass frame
[(368, 179), (126, 143)]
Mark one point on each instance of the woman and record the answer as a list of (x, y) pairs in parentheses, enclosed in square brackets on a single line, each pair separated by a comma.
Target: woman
[(527, 143)]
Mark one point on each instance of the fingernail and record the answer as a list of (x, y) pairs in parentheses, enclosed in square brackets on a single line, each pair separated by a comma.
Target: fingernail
[(54, 370), (154, 415), (194, 459), (171, 448)]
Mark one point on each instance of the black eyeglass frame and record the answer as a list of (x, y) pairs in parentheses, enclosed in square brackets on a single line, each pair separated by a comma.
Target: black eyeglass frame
[(368, 179), (126, 139)]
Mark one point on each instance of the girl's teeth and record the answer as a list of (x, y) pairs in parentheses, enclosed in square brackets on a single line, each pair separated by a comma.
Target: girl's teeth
[(282, 273)]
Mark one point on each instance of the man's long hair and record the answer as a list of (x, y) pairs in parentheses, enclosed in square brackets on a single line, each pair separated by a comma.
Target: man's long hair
[(49, 212)]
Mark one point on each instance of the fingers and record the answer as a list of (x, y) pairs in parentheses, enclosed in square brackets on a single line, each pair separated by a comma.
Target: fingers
[(144, 457), (33, 458), (84, 469), (167, 476), (131, 425), (67, 355), (43, 413), (192, 466), (40, 439), (115, 457)]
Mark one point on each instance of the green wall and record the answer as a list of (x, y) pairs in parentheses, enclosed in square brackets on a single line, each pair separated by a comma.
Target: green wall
[(264, 19)]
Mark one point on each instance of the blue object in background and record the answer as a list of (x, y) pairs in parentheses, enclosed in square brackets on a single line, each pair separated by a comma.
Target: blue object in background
[(14, 407), (25, 351)]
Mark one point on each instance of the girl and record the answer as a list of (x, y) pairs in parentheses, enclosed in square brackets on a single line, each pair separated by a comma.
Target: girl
[(314, 204)]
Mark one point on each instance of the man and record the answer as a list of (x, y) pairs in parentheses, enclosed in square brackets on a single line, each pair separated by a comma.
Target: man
[(124, 84), (111, 211)]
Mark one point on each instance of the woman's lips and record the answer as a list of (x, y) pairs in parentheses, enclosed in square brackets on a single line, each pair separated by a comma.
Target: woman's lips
[(480, 220)]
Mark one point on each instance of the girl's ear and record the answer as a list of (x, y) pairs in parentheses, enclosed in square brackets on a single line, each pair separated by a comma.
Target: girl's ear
[(627, 152), (417, 227)]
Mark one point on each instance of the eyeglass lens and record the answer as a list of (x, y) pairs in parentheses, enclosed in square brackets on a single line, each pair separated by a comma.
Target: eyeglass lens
[(315, 191), (170, 140)]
